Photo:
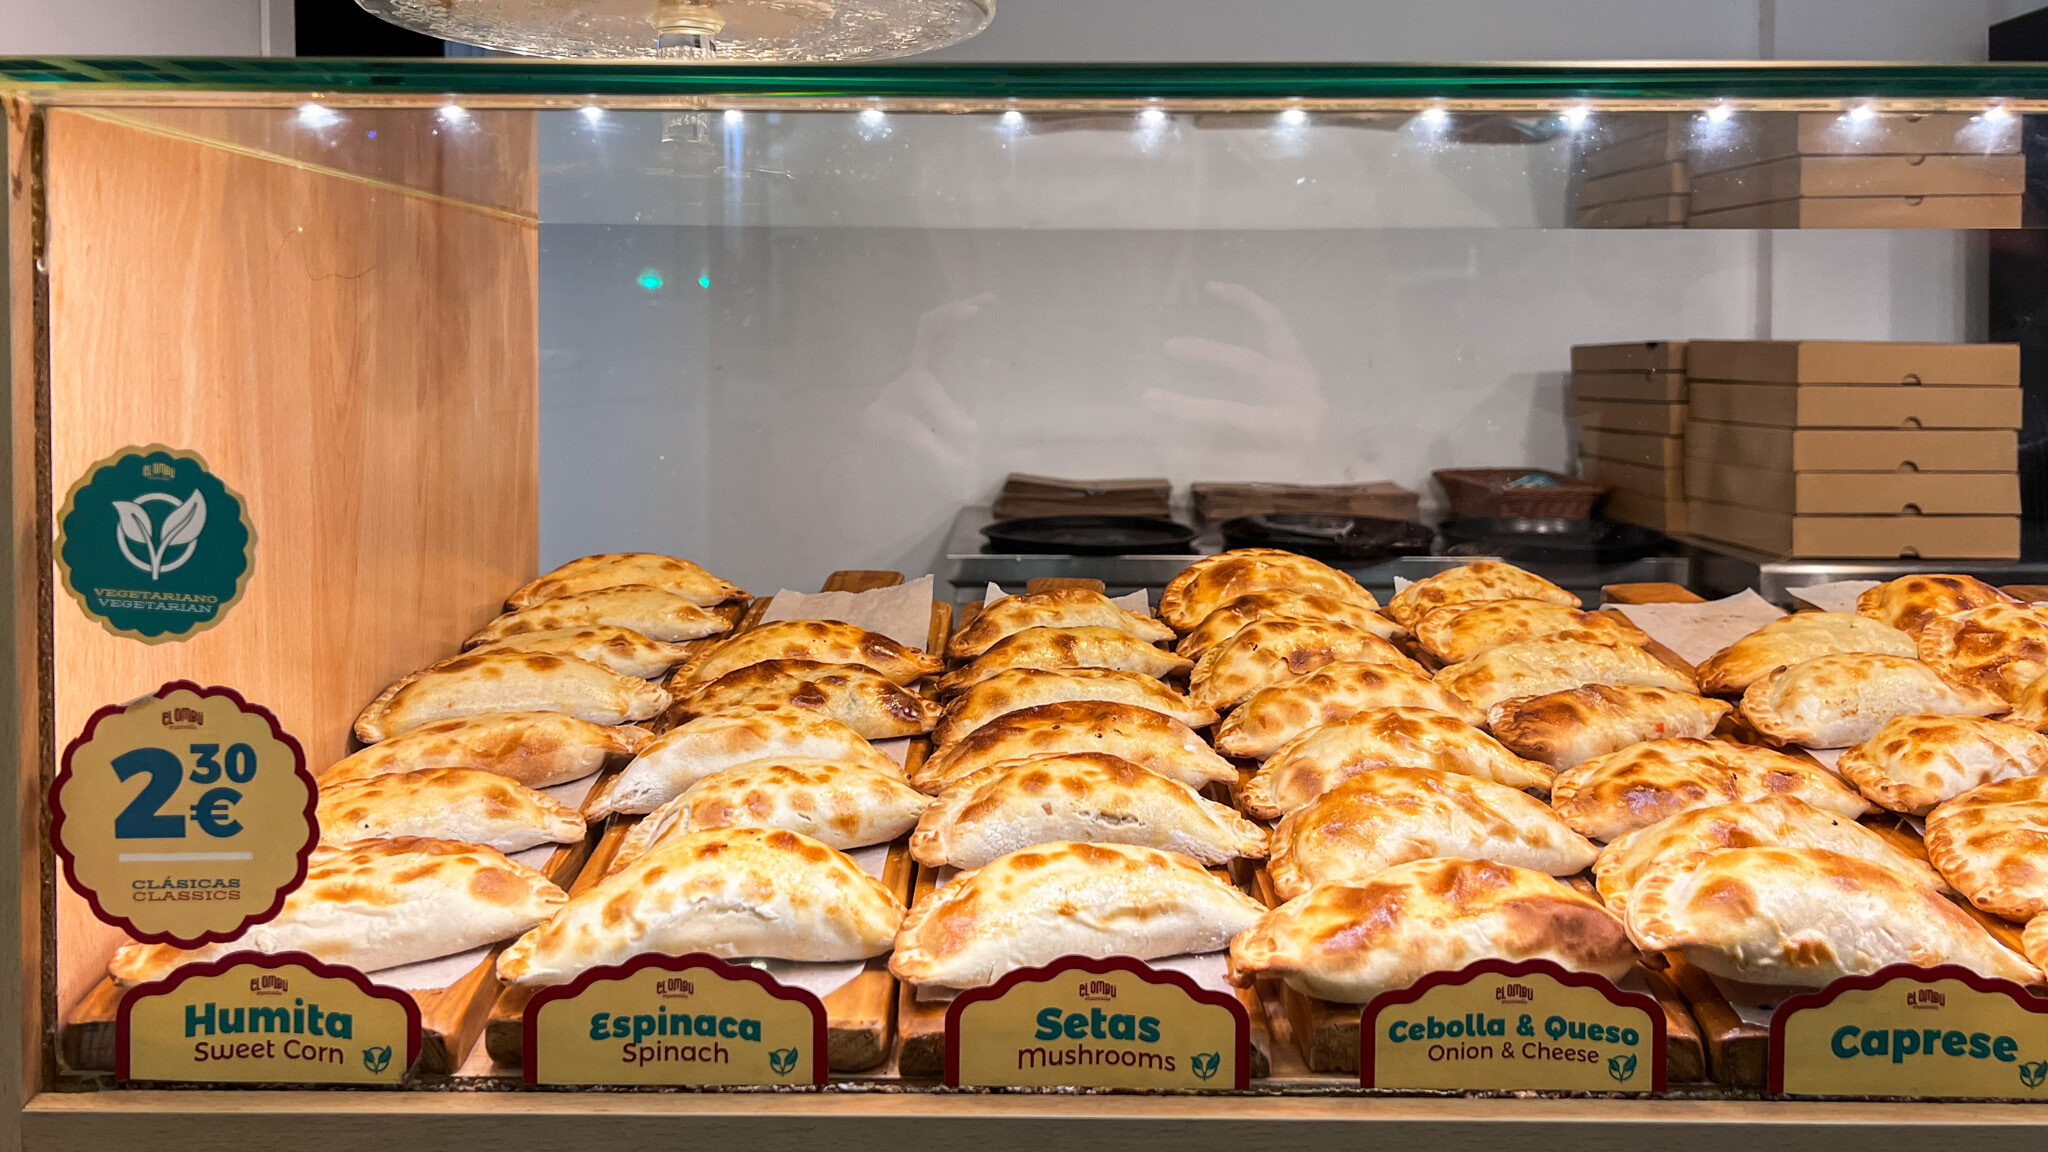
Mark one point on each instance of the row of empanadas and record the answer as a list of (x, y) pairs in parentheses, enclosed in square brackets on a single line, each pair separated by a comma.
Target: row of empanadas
[(1018, 688), (1840, 700), (1282, 604), (1060, 608), (1213, 581), (651, 612), (838, 804), (1138, 734), (1375, 739), (855, 695), (472, 684), (1792, 639), (1564, 729), (669, 764), (824, 641), (1061, 648), (1609, 796), (1275, 715), (1270, 652), (1460, 631)]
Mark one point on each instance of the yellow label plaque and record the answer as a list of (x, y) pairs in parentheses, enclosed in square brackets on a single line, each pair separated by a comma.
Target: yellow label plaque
[(1941, 1032), (1498, 1026), (1111, 1023), (249, 1018), (185, 816), (690, 1020)]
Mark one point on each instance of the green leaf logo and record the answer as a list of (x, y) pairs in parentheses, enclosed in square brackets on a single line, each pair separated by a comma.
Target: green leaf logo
[(1205, 1064), (783, 1060), (2033, 1074), (377, 1059), (1622, 1068)]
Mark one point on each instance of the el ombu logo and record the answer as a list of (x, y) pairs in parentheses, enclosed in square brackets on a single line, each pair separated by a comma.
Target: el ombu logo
[(153, 545)]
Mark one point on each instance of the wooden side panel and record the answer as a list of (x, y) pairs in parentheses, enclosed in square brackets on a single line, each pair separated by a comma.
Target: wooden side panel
[(359, 361)]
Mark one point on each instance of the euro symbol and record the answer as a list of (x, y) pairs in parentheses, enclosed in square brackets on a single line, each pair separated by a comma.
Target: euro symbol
[(212, 815)]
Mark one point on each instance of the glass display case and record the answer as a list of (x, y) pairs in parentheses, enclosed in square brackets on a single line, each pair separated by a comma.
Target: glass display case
[(316, 365)]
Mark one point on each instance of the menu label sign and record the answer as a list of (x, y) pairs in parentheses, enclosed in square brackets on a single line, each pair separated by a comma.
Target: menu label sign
[(1942, 1032)]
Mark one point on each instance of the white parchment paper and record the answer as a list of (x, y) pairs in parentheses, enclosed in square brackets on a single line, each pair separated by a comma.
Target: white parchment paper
[(1697, 631), (1834, 596)]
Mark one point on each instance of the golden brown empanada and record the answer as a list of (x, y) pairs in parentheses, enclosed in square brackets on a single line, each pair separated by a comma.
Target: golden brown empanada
[(2031, 706), (1837, 701), (2034, 942), (1538, 667), (537, 749), (1282, 604), (1806, 917), (1916, 762), (1910, 602), (839, 805), (853, 694), (1374, 821), (1788, 640), (1379, 738), (1060, 648), (1455, 632), (732, 892), (467, 805), (1479, 580), (1059, 608), (1146, 738), (1273, 716), (826, 641), (2000, 648), (668, 764), (1066, 899), (1273, 652), (620, 649), (1611, 795), (612, 569), (1213, 581), (1992, 844), (469, 685), (1566, 728), (1350, 943), (1081, 796), (653, 613), (1020, 688), (377, 904)]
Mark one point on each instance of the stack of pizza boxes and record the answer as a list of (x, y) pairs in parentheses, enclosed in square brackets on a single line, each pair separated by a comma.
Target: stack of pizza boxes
[(1630, 402), (1630, 173), (1854, 449)]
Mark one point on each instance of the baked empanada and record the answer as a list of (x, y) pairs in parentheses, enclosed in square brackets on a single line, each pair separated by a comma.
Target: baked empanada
[(469, 685), (2030, 707), (732, 892), (377, 904), (1837, 701), (1059, 608), (1213, 581), (1566, 728), (2034, 942), (837, 804), (1916, 762), (853, 694), (653, 613), (1455, 632), (1146, 738), (1992, 844), (1374, 821), (668, 764), (1479, 580), (1282, 604), (612, 569), (1909, 602), (537, 749), (1350, 943), (1078, 796), (826, 641), (1380, 738), (1060, 648), (1020, 688), (1273, 716), (466, 805), (2000, 648), (620, 649), (1551, 664), (1066, 899), (1806, 917), (1788, 640), (1273, 652), (1611, 795)]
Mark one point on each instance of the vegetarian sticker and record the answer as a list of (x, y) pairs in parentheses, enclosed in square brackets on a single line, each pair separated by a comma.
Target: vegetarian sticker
[(1941, 1032)]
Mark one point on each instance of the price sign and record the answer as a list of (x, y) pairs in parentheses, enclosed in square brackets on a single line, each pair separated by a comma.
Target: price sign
[(185, 816)]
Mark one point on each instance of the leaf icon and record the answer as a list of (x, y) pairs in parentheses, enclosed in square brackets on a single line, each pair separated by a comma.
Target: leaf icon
[(783, 1061), (186, 521), (135, 523), (377, 1059), (1622, 1068), (1205, 1064), (2032, 1075)]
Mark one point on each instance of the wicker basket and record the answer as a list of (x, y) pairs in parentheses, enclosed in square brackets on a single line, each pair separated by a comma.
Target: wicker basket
[(1475, 493)]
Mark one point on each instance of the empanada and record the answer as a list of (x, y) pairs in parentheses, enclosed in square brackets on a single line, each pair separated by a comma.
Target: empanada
[(1910, 602), (1273, 716), (1566, 728), (837, 804), (1282, 604), (1992, 844), (1066, 899), (1020, 688), (1211, 582), (853, 694), (1837, 701), (1916, 762), (826, 641), (1538, 667), (377, 904), (1455, 632), (1805, 917), (1374, 821), (1790, 639), (612, 569), (1380, 738), (1276, 651), (1146, 738), (2031, 706), (671, 762), (537, 749), (1059, 608), (1611, 795), (732, 892), (2000, 648), (653, 613), (1080, 796), (1479, 580), (469, 685), (1061, 648), (2034, 942), (467, 805), (620, 649), (1350, 943)]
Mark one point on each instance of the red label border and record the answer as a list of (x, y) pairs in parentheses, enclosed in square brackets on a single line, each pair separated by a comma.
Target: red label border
[(1822, 997)]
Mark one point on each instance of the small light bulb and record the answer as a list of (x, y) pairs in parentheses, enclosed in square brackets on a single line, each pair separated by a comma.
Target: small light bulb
[(1720, 113), (1152, 117), (1294, 117), (1013, 119), (733, 117), (1862, 113), (1435, 116), (453, 113), (591, 113), (317, 115), (873, 116), (1998, 114), (1575, 116)]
